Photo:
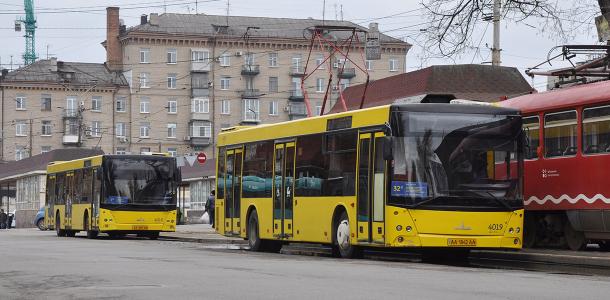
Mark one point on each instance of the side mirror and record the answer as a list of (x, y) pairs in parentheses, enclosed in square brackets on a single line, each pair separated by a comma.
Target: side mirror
[(388, 154)]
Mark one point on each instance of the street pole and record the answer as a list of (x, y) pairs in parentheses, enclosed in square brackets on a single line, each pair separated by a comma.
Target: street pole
[(495, 51), (31, 146)]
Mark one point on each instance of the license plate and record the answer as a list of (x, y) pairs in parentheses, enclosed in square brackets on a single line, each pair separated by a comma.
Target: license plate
[(461, 242), (139, 227)]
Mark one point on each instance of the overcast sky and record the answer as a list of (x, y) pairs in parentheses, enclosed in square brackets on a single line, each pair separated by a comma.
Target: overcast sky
[(72, 30)]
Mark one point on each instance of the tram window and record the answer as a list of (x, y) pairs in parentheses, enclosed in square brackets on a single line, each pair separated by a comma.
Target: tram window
[(596, 130), (258, 170), (531, 126), (220, 191), (560, 134)]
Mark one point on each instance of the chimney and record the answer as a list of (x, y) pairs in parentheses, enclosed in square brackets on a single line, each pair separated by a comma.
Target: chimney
[(154, 19), (53, 64), (143, 19), (114, 52)]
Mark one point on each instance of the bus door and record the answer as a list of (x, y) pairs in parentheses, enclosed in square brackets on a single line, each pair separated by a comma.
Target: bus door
[(283, 189), (51, 188), (233, 191), (371, 188), (69, 198)]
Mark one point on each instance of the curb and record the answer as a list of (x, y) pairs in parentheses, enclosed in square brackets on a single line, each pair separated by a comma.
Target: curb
[(203, 240), (528, 257)]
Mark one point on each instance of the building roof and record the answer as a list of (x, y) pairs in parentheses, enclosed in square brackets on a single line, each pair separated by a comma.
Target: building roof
[(198, 171), (39, 162), (73, 73), (207, 25), (558, 99), (473, 82)]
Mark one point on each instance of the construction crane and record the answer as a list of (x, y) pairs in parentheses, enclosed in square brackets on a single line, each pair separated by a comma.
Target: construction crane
[(29, 56)]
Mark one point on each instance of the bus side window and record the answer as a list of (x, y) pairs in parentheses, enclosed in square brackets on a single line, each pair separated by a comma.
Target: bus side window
[(60, 189), (531, 126), (220, 188), (97, 190), (596, 130), (78, 186), (86, 186), (560, 134)]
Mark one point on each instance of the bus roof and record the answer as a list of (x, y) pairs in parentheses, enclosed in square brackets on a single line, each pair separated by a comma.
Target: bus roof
[(585, 94), (62, 166)]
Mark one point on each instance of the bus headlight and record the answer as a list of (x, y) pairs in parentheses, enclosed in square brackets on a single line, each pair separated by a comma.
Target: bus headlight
[(518, 229), (409, 228), (511, 230), (398, 227)]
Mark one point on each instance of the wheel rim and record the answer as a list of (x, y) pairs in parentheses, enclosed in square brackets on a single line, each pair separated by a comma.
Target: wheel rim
[(343, 234), (40, 224)]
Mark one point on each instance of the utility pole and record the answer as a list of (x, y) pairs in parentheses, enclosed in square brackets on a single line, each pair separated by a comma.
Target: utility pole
[(495, 51), (30, 150)]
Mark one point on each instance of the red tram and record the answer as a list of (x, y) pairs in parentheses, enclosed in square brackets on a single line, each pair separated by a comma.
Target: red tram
[(567, 166)]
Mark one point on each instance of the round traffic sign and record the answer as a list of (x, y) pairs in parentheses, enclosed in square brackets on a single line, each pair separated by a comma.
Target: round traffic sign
[(201, 158)]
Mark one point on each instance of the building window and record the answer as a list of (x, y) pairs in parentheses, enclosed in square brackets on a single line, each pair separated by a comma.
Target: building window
[(273, 84), (320, 85), (251, 109), (273, 108), (225, 82), (393, 65), (72, 127), (225, 60), (144, 105), (121, 150), (201, 129), (344, 83), (144, 129), (21, 128), (45, 130), (144, 55), (96, 128), (121, 130), (200, 105), (173, 152), (172, 56), (171, 80), (120, 104), (318, 110), (45, 149), (171, 130), (20, 152), (200, 56), (45, 102), (144, 80), (273, 59), (96, 103), (145, 150), (249, 59), (368, 64), (20, 102), (320, 62), (225, 107), (200, 80), (172, 106)]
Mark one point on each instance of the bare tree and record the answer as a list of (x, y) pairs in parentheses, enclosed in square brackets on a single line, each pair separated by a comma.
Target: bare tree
[(453, 22)]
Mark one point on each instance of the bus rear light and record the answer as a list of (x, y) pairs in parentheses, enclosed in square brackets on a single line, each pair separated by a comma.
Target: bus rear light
[(398, 227)]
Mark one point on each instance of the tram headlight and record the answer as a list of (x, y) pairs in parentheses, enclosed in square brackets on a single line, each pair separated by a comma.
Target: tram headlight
[(398, 227)]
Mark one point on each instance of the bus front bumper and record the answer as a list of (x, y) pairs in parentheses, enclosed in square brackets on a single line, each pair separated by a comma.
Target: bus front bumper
[(454, 241), (136, 221)]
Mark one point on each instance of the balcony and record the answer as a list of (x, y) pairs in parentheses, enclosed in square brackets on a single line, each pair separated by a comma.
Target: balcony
[(347, 73), (297, 71), (297, 111), (251, 93), (70, 139), (200, 66), (199, 141), (296, 95), (250, 70), (70, 113), (200, 92), (196, 116)]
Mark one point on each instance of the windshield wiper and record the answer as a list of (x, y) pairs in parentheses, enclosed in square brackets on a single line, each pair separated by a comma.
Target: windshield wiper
[(430, 200), (499, 200)]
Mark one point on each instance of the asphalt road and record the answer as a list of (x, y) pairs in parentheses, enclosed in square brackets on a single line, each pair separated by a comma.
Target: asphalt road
[(38, 265)]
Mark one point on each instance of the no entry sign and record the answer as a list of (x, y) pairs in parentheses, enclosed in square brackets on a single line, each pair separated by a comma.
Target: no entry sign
[(201, 158)]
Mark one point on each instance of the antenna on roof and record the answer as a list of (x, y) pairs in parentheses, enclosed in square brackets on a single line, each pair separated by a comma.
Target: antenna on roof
[(228, 8), (341, 12), (164, 7), (323, 11)]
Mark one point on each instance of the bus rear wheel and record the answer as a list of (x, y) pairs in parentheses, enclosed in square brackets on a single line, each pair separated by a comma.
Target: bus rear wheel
[(60, 232), (343, 246)]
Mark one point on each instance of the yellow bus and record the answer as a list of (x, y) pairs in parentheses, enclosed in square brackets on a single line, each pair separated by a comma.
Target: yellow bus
[(113, 194), (410, 175)]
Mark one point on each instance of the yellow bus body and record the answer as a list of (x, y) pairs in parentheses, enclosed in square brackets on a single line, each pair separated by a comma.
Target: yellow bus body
[(107, 221), (312, 219)]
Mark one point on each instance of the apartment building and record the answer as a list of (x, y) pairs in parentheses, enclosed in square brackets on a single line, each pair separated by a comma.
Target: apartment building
[(52, 104), (192, 74)]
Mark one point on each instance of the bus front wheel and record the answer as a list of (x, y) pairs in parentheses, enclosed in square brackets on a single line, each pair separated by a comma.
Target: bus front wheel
[(343, 245), (254, 240), (91, 233)]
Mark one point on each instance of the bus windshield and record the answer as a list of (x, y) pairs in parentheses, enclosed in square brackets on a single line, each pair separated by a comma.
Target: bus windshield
[(140, 181), (456, 160)]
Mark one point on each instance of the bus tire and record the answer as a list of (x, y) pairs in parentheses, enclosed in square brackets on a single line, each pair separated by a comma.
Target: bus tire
[(70, 233), (343, 246), (60, 232), (91, 233), (152, 235), (254, 240)]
